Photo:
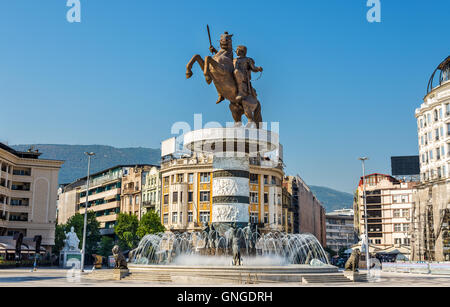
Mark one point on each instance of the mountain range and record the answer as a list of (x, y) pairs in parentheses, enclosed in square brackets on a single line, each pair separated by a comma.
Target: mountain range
[(75, 166)]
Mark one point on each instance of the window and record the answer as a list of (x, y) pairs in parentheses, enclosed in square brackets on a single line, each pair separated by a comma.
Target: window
[(166, 199), (254, 178), (266, 198), (397, 241), (180, 178), (378, 241), (204, 217), (174, 197), (190, 197), (190, 217), (191, 178), (266, 218), (254, 197), (396, 213), (397, 227), (204, 195), (405, 212), (266, 179), (405, 227), (254, 217), (166, 180), (174, 217), (181, 217), (165, 218), (204, 177)]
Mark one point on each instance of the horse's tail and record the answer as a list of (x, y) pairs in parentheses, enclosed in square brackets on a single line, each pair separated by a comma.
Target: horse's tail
[(257, 115)]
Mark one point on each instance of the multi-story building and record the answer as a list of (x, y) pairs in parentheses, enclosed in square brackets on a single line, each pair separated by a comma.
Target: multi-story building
[(28, 191), (151, 190), (308, 213), (389, 204), (186, 190), (340, 229), (132, 191), (432, 198), (105, 190), (288, 211)]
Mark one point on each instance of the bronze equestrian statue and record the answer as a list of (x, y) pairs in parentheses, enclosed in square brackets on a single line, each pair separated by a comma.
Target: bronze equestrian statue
[(220, 69)]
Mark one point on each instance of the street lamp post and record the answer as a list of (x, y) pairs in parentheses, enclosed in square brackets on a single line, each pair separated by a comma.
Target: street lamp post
[(366, 228), (89, 154)]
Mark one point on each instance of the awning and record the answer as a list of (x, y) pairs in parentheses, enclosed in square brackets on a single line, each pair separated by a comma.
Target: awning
[(396, 250), (372, 248)]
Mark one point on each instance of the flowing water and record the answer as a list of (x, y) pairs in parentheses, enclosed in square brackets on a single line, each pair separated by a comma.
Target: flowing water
[(213, 249)]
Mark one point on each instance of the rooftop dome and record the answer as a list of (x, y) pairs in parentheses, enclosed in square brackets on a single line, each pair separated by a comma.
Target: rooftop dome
[(444, 74)]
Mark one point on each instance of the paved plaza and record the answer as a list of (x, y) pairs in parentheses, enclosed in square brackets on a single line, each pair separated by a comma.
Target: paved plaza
[(55, 277)]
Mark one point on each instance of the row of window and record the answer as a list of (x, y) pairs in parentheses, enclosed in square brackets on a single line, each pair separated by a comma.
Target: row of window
[(398, 213), (401, 227), (437, 113), (206, 178), (438, 134), (440, 153), (437, 173), (177, 217)]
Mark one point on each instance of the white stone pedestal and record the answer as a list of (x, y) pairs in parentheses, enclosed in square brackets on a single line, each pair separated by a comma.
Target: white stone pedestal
[(70, 259), (231, 149)]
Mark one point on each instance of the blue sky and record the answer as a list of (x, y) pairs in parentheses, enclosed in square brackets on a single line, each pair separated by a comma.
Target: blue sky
[(339, 86)]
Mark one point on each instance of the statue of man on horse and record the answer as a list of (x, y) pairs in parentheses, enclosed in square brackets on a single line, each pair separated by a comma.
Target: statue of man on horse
[(220, 70)]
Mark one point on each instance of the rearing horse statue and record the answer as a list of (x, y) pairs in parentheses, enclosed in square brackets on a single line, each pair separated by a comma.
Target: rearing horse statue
[(219, 70)]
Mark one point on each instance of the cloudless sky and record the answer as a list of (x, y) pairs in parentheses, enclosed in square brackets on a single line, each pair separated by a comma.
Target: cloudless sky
[(340, 87)]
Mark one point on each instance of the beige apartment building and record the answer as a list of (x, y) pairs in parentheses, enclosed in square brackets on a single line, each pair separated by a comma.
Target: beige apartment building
[(340, 230), (105, 189), (431, 214), (112, 191), (389, 205), (186, 190), (28, 191)]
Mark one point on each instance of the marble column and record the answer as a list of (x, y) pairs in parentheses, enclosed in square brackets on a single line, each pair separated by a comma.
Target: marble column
[(230, 191)]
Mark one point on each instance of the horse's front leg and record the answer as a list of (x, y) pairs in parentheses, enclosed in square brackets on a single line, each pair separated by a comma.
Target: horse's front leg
[(196, 58), (206, 68)]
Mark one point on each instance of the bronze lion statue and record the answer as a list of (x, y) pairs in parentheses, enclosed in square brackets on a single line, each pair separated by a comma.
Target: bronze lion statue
[(120, 262), (352, 263)]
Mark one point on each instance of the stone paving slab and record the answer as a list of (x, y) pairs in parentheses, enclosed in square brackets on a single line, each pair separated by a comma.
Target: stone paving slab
[(59, 278)]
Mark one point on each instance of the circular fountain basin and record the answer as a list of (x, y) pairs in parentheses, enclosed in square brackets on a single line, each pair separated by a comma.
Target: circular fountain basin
[(214, 275)]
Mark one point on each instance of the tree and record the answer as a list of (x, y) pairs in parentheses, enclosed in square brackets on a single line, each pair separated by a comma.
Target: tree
[(341, 252), (77, 222), (106, 245), (59, 239), (150, 223), (126, 229), (330, 251)]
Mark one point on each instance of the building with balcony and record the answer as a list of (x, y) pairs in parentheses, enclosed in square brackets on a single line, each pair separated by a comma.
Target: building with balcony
[(340, 229), (133, 181), (105, 190), (28, 191), (151, 190), (186, 189), (389, 205), (431, 216), (308, 213)]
